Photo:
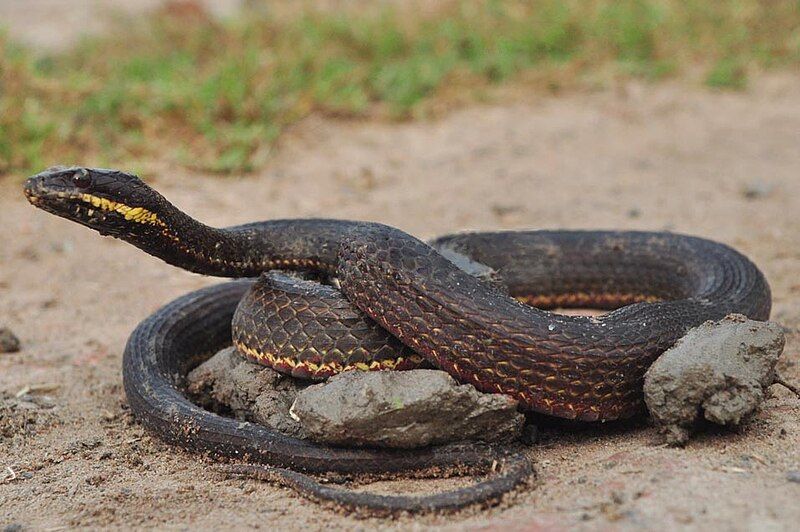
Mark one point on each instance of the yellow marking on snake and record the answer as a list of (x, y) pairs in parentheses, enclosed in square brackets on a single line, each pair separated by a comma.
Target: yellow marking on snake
[(135, 214), (270, 359)]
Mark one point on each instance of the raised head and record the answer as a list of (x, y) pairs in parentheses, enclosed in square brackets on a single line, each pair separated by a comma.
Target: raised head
[(109, 201), (121, 205)]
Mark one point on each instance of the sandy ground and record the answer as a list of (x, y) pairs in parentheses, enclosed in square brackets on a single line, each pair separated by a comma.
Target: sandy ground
[(639, 157)]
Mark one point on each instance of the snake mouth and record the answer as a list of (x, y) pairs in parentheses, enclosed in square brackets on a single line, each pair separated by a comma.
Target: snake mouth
[(56, 200), (55, 191), (51, 188), (72, 205), (34, 191), (93, 211)]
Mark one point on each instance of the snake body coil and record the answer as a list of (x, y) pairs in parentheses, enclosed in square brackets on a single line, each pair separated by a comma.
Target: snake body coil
[(568, 366)]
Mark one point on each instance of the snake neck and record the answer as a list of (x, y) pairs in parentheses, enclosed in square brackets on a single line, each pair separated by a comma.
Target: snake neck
[(182, 241), (240, 251)]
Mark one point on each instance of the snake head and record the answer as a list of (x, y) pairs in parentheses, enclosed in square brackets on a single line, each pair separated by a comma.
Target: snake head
[(109, 201)]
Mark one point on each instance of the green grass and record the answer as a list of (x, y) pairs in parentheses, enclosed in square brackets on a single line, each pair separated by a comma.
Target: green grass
[(728, 72), (215, 95)]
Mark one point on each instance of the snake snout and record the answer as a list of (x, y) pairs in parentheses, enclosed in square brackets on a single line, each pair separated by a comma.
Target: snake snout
[(31, 188), (35, 189), (55, 178)]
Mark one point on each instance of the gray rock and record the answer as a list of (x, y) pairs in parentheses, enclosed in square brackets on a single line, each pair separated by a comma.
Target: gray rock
[(9, 343), (793, 476), (251, 391), (719, 370), (404, 409)]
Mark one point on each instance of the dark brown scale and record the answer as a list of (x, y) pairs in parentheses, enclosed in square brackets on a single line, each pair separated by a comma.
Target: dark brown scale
[(702, 279), (310, 330)]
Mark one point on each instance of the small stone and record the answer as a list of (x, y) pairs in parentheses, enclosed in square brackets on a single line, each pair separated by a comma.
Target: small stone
[(719, 370), (502, 210), (403, 409), (793, 476), (44, 401), (757, 188), (9, 343), (79, 445), (24, 404)]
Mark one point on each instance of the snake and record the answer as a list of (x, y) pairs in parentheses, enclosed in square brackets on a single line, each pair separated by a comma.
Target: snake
[(479, 306)]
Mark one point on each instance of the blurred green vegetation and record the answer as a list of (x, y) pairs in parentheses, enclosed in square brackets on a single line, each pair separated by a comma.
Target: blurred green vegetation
[(215, 95)]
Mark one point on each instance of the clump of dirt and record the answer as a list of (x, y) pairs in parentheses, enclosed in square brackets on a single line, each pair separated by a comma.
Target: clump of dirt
[(719, 371), (229, 383)]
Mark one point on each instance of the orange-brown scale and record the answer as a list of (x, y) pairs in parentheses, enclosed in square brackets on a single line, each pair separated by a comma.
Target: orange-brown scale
[(598, 300), (304, 369)]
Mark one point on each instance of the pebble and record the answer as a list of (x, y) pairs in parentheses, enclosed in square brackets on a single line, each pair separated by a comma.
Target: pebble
[(757, 189), (9, 343)]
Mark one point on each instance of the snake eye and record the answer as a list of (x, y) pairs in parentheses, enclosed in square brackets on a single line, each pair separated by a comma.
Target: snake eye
[(82, 179)]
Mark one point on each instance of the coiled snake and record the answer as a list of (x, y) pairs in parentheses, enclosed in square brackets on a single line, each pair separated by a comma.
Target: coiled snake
[(576, 367)]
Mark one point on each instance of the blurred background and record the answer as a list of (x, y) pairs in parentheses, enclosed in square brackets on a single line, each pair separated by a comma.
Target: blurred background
[(213, 85)]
